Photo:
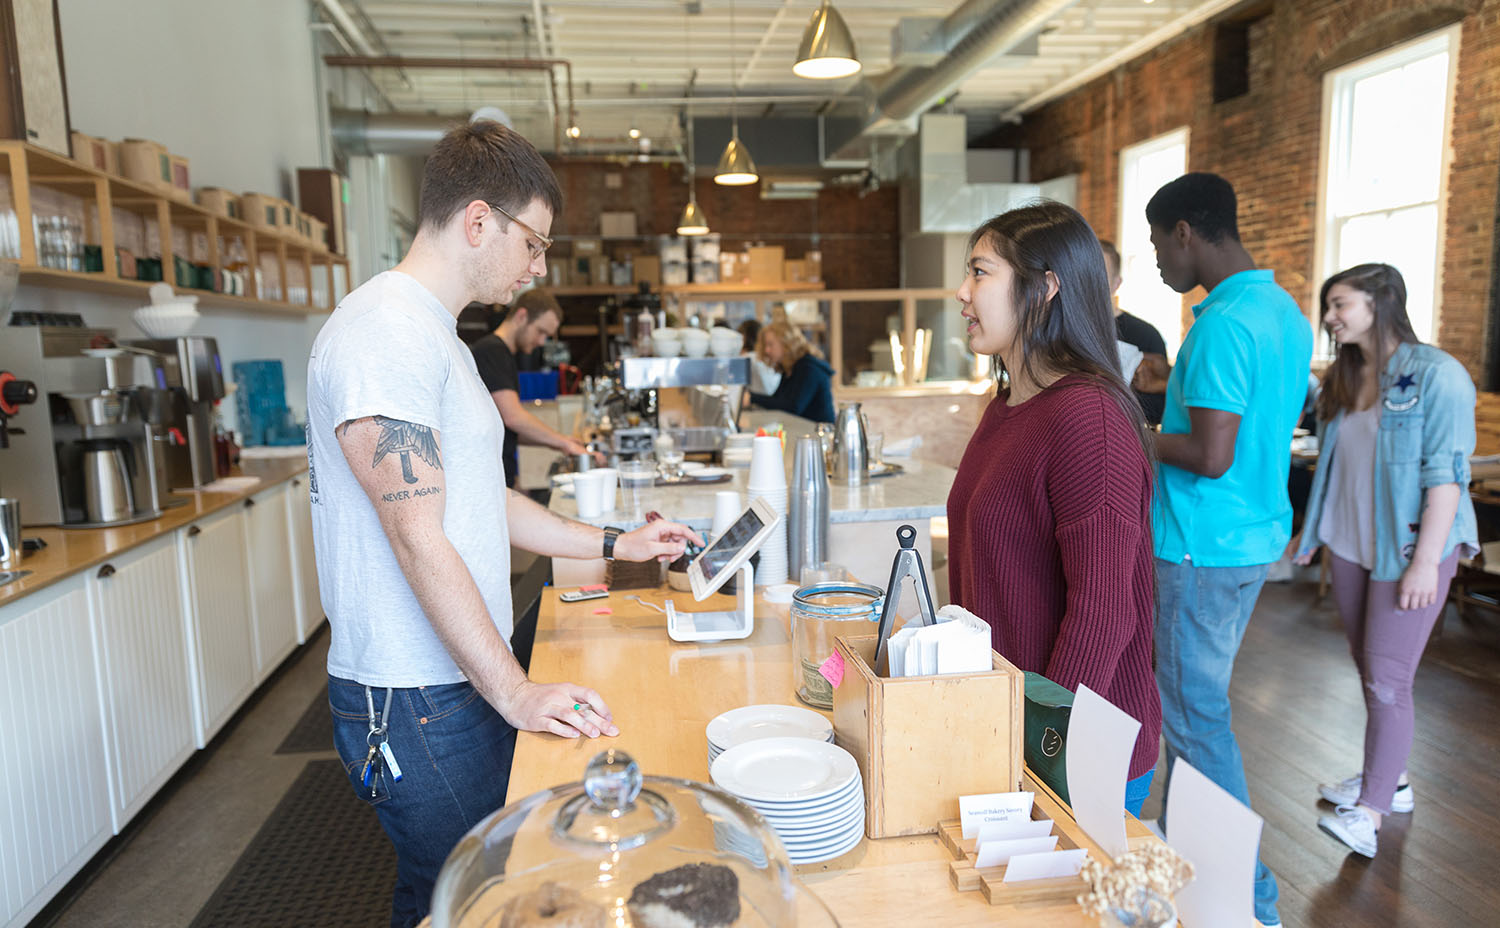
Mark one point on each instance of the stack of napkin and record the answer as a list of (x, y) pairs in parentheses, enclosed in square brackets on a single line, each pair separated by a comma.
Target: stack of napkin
[(959, 642)]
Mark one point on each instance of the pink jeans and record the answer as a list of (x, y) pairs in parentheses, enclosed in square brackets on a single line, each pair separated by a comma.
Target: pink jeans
[(1387, 644)]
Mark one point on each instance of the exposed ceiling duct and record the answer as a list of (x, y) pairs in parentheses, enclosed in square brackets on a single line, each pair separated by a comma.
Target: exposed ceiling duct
[(973, 34)]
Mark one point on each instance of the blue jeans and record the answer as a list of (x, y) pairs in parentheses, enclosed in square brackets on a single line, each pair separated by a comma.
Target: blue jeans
[(1136, 792), (454, 751), (1201, 617)]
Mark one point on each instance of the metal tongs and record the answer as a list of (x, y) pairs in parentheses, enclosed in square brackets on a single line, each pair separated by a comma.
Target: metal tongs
[(908, 563)]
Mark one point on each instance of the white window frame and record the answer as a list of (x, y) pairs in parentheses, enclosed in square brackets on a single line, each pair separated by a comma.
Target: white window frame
[(1133, 216), (1337, 116)]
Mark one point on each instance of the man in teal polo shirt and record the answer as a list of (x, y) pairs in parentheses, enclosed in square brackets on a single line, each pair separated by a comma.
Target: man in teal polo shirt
[(1222, 513)]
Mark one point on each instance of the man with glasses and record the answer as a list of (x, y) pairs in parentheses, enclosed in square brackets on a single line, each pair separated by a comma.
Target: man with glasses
[(412, 524), (533, 319)]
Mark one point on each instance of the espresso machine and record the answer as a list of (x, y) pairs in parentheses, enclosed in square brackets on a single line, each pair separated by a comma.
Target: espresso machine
[(87, 453), (191, 370)]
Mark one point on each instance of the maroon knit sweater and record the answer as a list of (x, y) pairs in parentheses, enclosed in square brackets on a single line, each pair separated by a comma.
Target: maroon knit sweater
[(1049, 524)]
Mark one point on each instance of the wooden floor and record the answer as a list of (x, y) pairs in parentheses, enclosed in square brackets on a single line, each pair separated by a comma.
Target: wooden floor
[(1299, 715)]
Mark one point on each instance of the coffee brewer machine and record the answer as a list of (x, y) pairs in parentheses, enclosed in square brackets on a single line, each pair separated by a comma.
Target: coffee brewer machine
[(191, 370), (87, 453)]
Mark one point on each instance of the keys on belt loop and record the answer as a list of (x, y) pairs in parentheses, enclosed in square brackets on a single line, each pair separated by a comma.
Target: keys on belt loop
[(376, 740)]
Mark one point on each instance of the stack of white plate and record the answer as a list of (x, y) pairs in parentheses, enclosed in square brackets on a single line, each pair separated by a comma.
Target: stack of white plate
[(808, 791), (751, 723)]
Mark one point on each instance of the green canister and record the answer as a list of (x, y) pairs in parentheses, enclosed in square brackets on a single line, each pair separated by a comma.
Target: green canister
[(820, 613)]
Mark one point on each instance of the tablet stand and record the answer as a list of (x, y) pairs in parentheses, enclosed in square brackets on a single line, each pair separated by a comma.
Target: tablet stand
[(717, 626)]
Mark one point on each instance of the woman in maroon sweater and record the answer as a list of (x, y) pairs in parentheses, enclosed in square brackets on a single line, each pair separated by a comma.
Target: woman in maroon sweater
[(1049, 518)]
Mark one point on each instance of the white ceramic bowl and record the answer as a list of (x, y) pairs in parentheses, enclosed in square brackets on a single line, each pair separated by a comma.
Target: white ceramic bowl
[(695, 343), (665, 347)]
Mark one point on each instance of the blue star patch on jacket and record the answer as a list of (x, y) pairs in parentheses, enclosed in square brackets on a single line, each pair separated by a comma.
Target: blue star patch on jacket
[(1405, 381)]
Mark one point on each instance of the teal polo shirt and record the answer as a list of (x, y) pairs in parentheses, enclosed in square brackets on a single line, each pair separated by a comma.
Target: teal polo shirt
[(1248, 353)]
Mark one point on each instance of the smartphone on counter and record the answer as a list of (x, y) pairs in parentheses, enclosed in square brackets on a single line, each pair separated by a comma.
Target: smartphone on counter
[(584, 593)]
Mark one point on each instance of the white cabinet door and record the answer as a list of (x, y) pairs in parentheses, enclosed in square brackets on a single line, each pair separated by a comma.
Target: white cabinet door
[(54, 796), (304, 566), (143, 648), (218, 595), (273, 605)]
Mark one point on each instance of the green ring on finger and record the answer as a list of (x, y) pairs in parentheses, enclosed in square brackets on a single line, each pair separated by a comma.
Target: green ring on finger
[(577, 707)]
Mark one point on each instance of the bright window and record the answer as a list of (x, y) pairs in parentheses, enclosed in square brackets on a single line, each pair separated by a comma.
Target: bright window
[(1144, 169), (1385, 124)]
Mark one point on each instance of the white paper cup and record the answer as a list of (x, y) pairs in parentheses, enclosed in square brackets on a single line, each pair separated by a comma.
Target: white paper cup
[(767, 468), (607, 489), (587, 491), (727, 508)]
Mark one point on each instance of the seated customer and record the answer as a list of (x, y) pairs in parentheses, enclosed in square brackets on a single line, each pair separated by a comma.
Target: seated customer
[(806, 387), (1050, 515)]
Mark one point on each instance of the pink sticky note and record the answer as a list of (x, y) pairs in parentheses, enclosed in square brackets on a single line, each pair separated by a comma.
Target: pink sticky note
[(604, 611), (833, 669)]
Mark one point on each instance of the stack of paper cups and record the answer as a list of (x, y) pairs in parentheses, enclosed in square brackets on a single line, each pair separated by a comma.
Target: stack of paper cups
[(768, 482)]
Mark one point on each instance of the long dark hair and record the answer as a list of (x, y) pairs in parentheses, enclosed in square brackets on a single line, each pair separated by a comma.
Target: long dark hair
[(1387, 292), (1074, 332)]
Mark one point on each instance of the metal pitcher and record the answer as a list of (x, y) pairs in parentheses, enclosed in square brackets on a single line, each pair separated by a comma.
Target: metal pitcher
[(851, 448)]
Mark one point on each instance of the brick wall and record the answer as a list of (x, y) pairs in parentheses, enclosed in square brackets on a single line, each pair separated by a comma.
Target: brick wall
[(1268, 141), (858, 236)]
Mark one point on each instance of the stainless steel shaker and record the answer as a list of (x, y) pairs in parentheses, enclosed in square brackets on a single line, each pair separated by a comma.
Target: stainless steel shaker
[(807, 511), (851, 449)]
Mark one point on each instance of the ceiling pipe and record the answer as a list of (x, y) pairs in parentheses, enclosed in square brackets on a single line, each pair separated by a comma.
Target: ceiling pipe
[(347, 25), (547, 66), (974, 33)]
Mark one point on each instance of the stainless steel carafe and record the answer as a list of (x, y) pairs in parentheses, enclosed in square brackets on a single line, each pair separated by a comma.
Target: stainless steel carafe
[(106, 480), (851, 449)]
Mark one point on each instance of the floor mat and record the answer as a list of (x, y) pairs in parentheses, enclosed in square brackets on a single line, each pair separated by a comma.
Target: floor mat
[(313, 731), (320, 859)]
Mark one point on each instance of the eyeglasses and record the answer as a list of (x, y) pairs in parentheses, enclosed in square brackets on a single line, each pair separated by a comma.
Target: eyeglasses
[(536, 248)]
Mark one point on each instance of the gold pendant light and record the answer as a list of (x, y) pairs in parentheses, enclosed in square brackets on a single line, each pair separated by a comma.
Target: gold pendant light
[(827, 49), (736, 167), (692, 221)]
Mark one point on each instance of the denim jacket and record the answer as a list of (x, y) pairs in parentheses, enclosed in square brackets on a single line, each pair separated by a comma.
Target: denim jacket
[(1425, 438)]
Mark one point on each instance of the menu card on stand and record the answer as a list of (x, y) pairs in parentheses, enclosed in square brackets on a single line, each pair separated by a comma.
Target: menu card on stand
[(1219, 836), (1101, 739)]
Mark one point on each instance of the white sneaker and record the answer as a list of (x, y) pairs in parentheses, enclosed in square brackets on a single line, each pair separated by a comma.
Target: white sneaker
[(1346, 793), (1351, 825)]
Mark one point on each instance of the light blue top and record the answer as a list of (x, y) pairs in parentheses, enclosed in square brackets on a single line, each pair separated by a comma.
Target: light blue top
[(1425, 438), (1248, 352)]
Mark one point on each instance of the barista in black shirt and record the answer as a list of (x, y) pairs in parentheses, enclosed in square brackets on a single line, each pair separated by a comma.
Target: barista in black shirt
[(533, 318), (1150, 380)]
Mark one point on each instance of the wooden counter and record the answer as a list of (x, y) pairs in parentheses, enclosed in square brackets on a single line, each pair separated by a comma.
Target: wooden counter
[(70, 551), (663, 694)]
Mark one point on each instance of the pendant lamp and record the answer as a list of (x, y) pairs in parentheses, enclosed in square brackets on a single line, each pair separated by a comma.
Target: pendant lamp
[(736, 167), (827, 49), (692, 221)]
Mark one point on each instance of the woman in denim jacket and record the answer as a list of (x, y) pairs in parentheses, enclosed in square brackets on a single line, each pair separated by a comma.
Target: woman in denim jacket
[(1390, 500)]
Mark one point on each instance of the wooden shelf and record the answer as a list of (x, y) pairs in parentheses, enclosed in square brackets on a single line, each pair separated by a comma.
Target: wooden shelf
[(694, 290), (28, 165), (93, 282)]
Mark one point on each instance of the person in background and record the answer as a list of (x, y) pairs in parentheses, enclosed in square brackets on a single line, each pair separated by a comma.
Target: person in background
[(1050, 514), (412, 528), (763, 377), (533, 318), (476, 321), (1389, 499), (1150, 379), (806, 387), (1224, 450)]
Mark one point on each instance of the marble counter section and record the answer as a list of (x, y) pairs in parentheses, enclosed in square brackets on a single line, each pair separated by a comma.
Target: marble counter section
[(919, 493)]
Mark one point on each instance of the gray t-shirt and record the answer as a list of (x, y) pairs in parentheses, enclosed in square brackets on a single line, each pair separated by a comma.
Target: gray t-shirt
[(1348, 523), (390, 349)]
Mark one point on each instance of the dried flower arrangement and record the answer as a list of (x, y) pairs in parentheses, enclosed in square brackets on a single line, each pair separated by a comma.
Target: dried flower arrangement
[(1117, 889)]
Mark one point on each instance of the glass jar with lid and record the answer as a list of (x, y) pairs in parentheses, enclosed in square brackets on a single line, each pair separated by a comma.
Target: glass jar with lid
[(626, 851), (820, 613)]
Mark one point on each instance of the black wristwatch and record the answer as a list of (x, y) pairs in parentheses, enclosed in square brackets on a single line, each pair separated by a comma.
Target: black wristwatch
[(611, 535)]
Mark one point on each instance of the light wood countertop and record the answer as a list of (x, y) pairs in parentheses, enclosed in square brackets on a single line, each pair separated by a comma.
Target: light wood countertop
[(70, 551), (663, 694)]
